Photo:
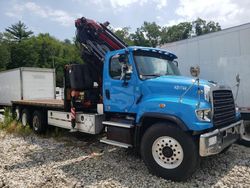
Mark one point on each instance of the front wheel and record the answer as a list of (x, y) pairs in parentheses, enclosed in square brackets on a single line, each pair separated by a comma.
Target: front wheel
[(245, 131), (169, 152)]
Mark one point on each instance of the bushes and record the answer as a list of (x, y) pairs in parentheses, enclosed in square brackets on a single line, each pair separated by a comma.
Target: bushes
[(12, 126)]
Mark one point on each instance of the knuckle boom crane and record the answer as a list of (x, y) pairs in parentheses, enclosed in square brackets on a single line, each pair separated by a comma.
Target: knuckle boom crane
[(95, 40)]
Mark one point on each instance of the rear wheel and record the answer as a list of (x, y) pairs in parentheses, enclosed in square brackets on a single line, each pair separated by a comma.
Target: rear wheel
[(25, 119), (17, 113), (38, 122), (169, 152)]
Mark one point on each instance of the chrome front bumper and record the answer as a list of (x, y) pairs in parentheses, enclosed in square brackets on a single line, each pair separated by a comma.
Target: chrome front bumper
[(214, 142)]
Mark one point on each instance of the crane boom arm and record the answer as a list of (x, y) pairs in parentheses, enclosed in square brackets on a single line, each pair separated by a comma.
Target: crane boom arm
[(96, 39)]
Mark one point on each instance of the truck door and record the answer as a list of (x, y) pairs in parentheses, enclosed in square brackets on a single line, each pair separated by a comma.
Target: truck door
[(118, 91)]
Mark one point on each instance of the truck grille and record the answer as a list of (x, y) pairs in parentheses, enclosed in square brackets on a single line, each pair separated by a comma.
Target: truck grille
[(224, 108)]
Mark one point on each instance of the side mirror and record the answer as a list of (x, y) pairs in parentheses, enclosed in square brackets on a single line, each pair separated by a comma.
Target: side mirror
[(195, 71), (237, 85), (237, 78), (176, 63), (126, 72)]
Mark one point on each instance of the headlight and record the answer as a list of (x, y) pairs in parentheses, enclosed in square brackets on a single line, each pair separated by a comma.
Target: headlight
[(204, 114), (207, 92)]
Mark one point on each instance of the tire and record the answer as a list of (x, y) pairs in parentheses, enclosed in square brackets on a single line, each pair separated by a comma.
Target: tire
[(176, 158), (26, 117), (17, 114), (245, 140), (38, 122), (244, 143)]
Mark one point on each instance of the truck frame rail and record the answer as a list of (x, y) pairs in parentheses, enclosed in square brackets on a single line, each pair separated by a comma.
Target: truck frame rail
[(46, 103)]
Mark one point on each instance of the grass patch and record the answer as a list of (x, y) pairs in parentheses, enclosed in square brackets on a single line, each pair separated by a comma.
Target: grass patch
[(12, 126)]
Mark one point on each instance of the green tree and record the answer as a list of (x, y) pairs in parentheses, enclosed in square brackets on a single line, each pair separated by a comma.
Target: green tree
[(48, 49), (147, 35), (152, 31), (53, 53), (139, 38), (4, 56), (67, 41), (18, 32), (202, 27), (1, 37), (124, 35), (212, 27), (199, 26), (23, 54), (176, 32)]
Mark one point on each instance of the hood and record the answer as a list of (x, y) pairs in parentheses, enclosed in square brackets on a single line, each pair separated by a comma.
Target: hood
[(174, 86)]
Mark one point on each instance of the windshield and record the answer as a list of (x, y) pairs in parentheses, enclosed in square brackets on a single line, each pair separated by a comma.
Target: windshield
[(153, 64)]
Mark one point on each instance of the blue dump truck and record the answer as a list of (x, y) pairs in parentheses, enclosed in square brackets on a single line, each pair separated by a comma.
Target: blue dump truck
[(137, 96)]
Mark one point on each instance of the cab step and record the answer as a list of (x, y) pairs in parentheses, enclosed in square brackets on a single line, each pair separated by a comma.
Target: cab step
[(119, 133), (115, 143)]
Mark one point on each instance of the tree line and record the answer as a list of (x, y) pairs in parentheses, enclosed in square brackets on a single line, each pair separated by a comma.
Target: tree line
[(20, 48), (151, 34)]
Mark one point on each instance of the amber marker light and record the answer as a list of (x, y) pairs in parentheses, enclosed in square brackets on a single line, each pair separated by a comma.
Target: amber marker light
[(162, 105)]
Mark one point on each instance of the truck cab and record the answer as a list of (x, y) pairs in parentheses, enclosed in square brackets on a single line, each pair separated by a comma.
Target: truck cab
[(140, 80), (145, 96)]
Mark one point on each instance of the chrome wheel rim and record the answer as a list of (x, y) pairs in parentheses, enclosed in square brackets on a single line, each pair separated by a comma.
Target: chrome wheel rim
[(167, 152), (24, 119), (245, 131), (35, 123), (17, 114)]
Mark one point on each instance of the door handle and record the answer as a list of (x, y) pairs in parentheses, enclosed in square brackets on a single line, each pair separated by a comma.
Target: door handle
[(107, 93)]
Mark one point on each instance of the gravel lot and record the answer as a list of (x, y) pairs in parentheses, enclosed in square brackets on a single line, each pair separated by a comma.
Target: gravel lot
[(81, 161)]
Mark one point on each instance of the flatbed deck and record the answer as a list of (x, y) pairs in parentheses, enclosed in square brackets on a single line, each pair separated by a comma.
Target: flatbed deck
[(48, 103)]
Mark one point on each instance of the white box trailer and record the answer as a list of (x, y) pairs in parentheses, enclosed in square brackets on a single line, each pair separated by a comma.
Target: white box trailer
[(221, 56), (25, 84)]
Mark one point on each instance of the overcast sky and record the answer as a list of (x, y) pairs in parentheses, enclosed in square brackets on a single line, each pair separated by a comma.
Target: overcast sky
[(57, 16)]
